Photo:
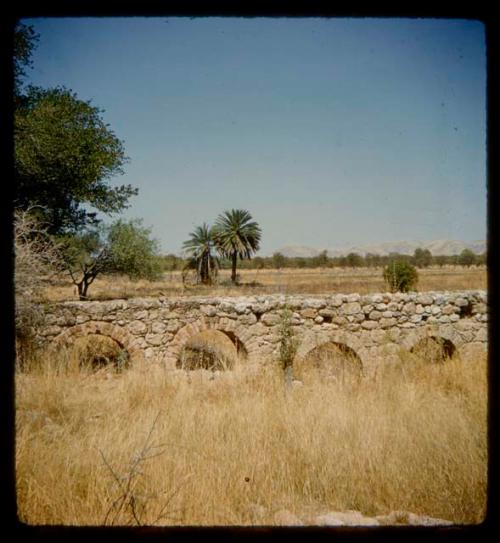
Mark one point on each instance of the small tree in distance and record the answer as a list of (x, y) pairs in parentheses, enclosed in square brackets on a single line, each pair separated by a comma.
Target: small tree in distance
[(354, 260), (400, 276), (124, 247), (422, 258), (279, 260), (467, 258)]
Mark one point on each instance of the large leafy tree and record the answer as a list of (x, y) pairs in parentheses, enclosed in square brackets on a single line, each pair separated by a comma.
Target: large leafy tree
[(202, 254), (65, 156), (236, 235), (25, 40), (124, 247)]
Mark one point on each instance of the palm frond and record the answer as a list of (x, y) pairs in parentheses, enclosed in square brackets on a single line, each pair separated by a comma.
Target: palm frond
[(236, 231), (201, 250)]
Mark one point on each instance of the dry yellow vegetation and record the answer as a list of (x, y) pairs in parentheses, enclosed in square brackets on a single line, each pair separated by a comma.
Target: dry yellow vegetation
[(150, 446), (286, 281)]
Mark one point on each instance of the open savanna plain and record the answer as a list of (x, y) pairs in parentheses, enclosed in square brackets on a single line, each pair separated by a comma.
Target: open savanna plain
[(284, 281), (149, 446)]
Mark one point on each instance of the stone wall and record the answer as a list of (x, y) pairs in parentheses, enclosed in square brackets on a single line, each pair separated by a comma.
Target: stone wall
[(375, 326)]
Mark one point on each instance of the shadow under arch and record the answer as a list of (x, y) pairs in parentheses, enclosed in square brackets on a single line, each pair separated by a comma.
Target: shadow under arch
[(434, 348), (212, 332), (239, 345), (132, 353), (211, 349), (331, 359)]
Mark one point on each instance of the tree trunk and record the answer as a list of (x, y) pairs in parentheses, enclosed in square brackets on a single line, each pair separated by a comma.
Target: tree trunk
[(83, 287), (82, 291), (233, 270)]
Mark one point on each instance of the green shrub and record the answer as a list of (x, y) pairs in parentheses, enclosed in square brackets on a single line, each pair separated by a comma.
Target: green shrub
[(288, 345), (400, 276)]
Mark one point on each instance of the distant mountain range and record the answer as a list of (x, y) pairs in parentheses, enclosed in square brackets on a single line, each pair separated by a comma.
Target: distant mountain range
[(436, 247)]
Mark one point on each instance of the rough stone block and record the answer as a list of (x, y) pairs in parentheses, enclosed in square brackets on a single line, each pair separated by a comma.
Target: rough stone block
[(387, 322), (308, 313), (154, 339), (339, 320), (137, 327), (158, 327), (408, 325), (248, 319), (448, 309), (208, 310), (424, 299), (409, 308), (241, 308), (337, 300), (369, 325), (351, 308)]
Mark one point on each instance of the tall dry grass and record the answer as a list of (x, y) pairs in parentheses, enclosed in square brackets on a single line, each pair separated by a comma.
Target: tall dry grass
[(150, 446)]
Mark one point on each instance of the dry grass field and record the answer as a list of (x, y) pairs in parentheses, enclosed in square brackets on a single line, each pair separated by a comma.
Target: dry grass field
[(285, 281), (147, 446), (156, 447)]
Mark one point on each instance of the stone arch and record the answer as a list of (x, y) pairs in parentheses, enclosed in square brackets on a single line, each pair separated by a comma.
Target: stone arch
[(446, 332), (438, 347), (119, 335), (236, 332), (331, 359), (313, 340), (346, 343), (209, 349)]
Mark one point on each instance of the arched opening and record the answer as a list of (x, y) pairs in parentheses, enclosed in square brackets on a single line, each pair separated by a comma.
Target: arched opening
[(213, 350), (97, 351), (332, 361), (240, 348), (434, 349)]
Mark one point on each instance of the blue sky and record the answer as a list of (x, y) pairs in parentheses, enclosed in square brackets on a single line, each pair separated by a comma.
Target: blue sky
[(331, 132)]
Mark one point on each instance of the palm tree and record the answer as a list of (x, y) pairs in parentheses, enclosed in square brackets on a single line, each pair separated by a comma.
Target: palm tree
[(236, 235), (201, 249)]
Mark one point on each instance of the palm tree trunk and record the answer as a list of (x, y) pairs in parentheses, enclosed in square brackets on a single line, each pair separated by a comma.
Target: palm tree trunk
[(233, 269)]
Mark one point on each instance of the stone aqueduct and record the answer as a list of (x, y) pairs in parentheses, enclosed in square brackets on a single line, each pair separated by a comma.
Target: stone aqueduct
[(374, 326)]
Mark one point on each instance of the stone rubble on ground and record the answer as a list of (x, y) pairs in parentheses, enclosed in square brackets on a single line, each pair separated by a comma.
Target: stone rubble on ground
[(284, 517)]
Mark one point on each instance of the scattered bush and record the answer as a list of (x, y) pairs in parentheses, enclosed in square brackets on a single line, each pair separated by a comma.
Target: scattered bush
[(400, 276)]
